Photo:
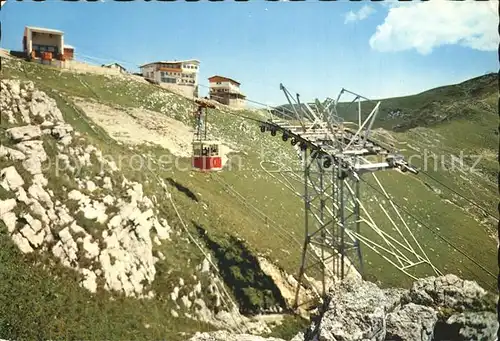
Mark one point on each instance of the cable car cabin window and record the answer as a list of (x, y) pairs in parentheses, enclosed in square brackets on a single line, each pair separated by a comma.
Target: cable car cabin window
[(214, 150), (205, 151), (196, 151)]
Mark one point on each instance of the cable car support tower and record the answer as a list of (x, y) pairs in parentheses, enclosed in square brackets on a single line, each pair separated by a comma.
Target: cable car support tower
[(334, 161)]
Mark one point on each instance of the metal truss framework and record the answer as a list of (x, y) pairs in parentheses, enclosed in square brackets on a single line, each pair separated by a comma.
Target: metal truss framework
[(334, 160)]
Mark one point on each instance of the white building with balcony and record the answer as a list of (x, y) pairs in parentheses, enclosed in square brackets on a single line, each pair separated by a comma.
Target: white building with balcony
[(226, 91), (178, 75)]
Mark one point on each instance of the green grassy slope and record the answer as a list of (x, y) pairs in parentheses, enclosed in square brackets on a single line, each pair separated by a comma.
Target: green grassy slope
[(428, 108), (227, 215)]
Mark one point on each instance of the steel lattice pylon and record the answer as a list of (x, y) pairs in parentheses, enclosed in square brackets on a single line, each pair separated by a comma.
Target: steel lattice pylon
[(334, 158)]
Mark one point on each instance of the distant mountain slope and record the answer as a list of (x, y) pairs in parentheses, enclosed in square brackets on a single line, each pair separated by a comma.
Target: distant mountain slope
[(430, 107)]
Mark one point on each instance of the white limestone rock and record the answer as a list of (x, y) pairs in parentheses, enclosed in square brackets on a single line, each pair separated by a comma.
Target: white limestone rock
[(10, 221), (45, 107), (90, 280), (161, 255), (64, 217), (61, 130), (11, 154), (205, 267), (7, 206), (10, 179), (34, 238), (66, 140), (147, 202), (75, 195), (114, 222), (95, 211), (39, 179), (33, 149), (47, 124), (197, 288), (22, 243), (174, 295), (84, 159), (127, 261), (108, 200), (107, 183), (21, 196), (157, 240), (135, 193), (77, 229), (91, 248), (186, 302), (66, 248), (38, 193), (91, 186), (35, 154), (162, 229), (24, 133), (35, 224), (32, 165), (58, 251)]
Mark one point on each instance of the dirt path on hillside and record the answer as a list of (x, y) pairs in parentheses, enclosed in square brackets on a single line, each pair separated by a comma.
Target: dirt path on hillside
[(135, 126)]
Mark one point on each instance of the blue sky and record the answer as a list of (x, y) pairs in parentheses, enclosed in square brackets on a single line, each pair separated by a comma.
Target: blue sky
[(314, 48)]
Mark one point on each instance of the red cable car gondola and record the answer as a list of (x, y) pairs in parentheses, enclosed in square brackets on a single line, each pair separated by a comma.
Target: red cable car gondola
[(206, 152)]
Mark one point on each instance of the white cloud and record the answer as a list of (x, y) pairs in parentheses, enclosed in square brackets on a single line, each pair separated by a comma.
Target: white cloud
[(362, 14), (426, 25)]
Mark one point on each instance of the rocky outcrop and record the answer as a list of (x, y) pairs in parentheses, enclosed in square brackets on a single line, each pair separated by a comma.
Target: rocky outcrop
[(355, 311), (470, 326), (117, 251), (433, 309), (447, 291), (411, 322)]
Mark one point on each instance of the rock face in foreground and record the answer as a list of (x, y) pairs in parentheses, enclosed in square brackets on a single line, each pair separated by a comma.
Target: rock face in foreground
[(444, 308), (434, 309)]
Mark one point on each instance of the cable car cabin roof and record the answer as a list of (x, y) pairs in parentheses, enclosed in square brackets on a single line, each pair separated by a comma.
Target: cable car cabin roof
[(206, 142)]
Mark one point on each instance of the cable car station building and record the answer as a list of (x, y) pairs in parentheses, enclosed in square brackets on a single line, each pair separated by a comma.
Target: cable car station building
[(226, 91), (46, 46)]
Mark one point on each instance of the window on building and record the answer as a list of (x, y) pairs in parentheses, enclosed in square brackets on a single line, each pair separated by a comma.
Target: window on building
[(168, 80), (43, 48)]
